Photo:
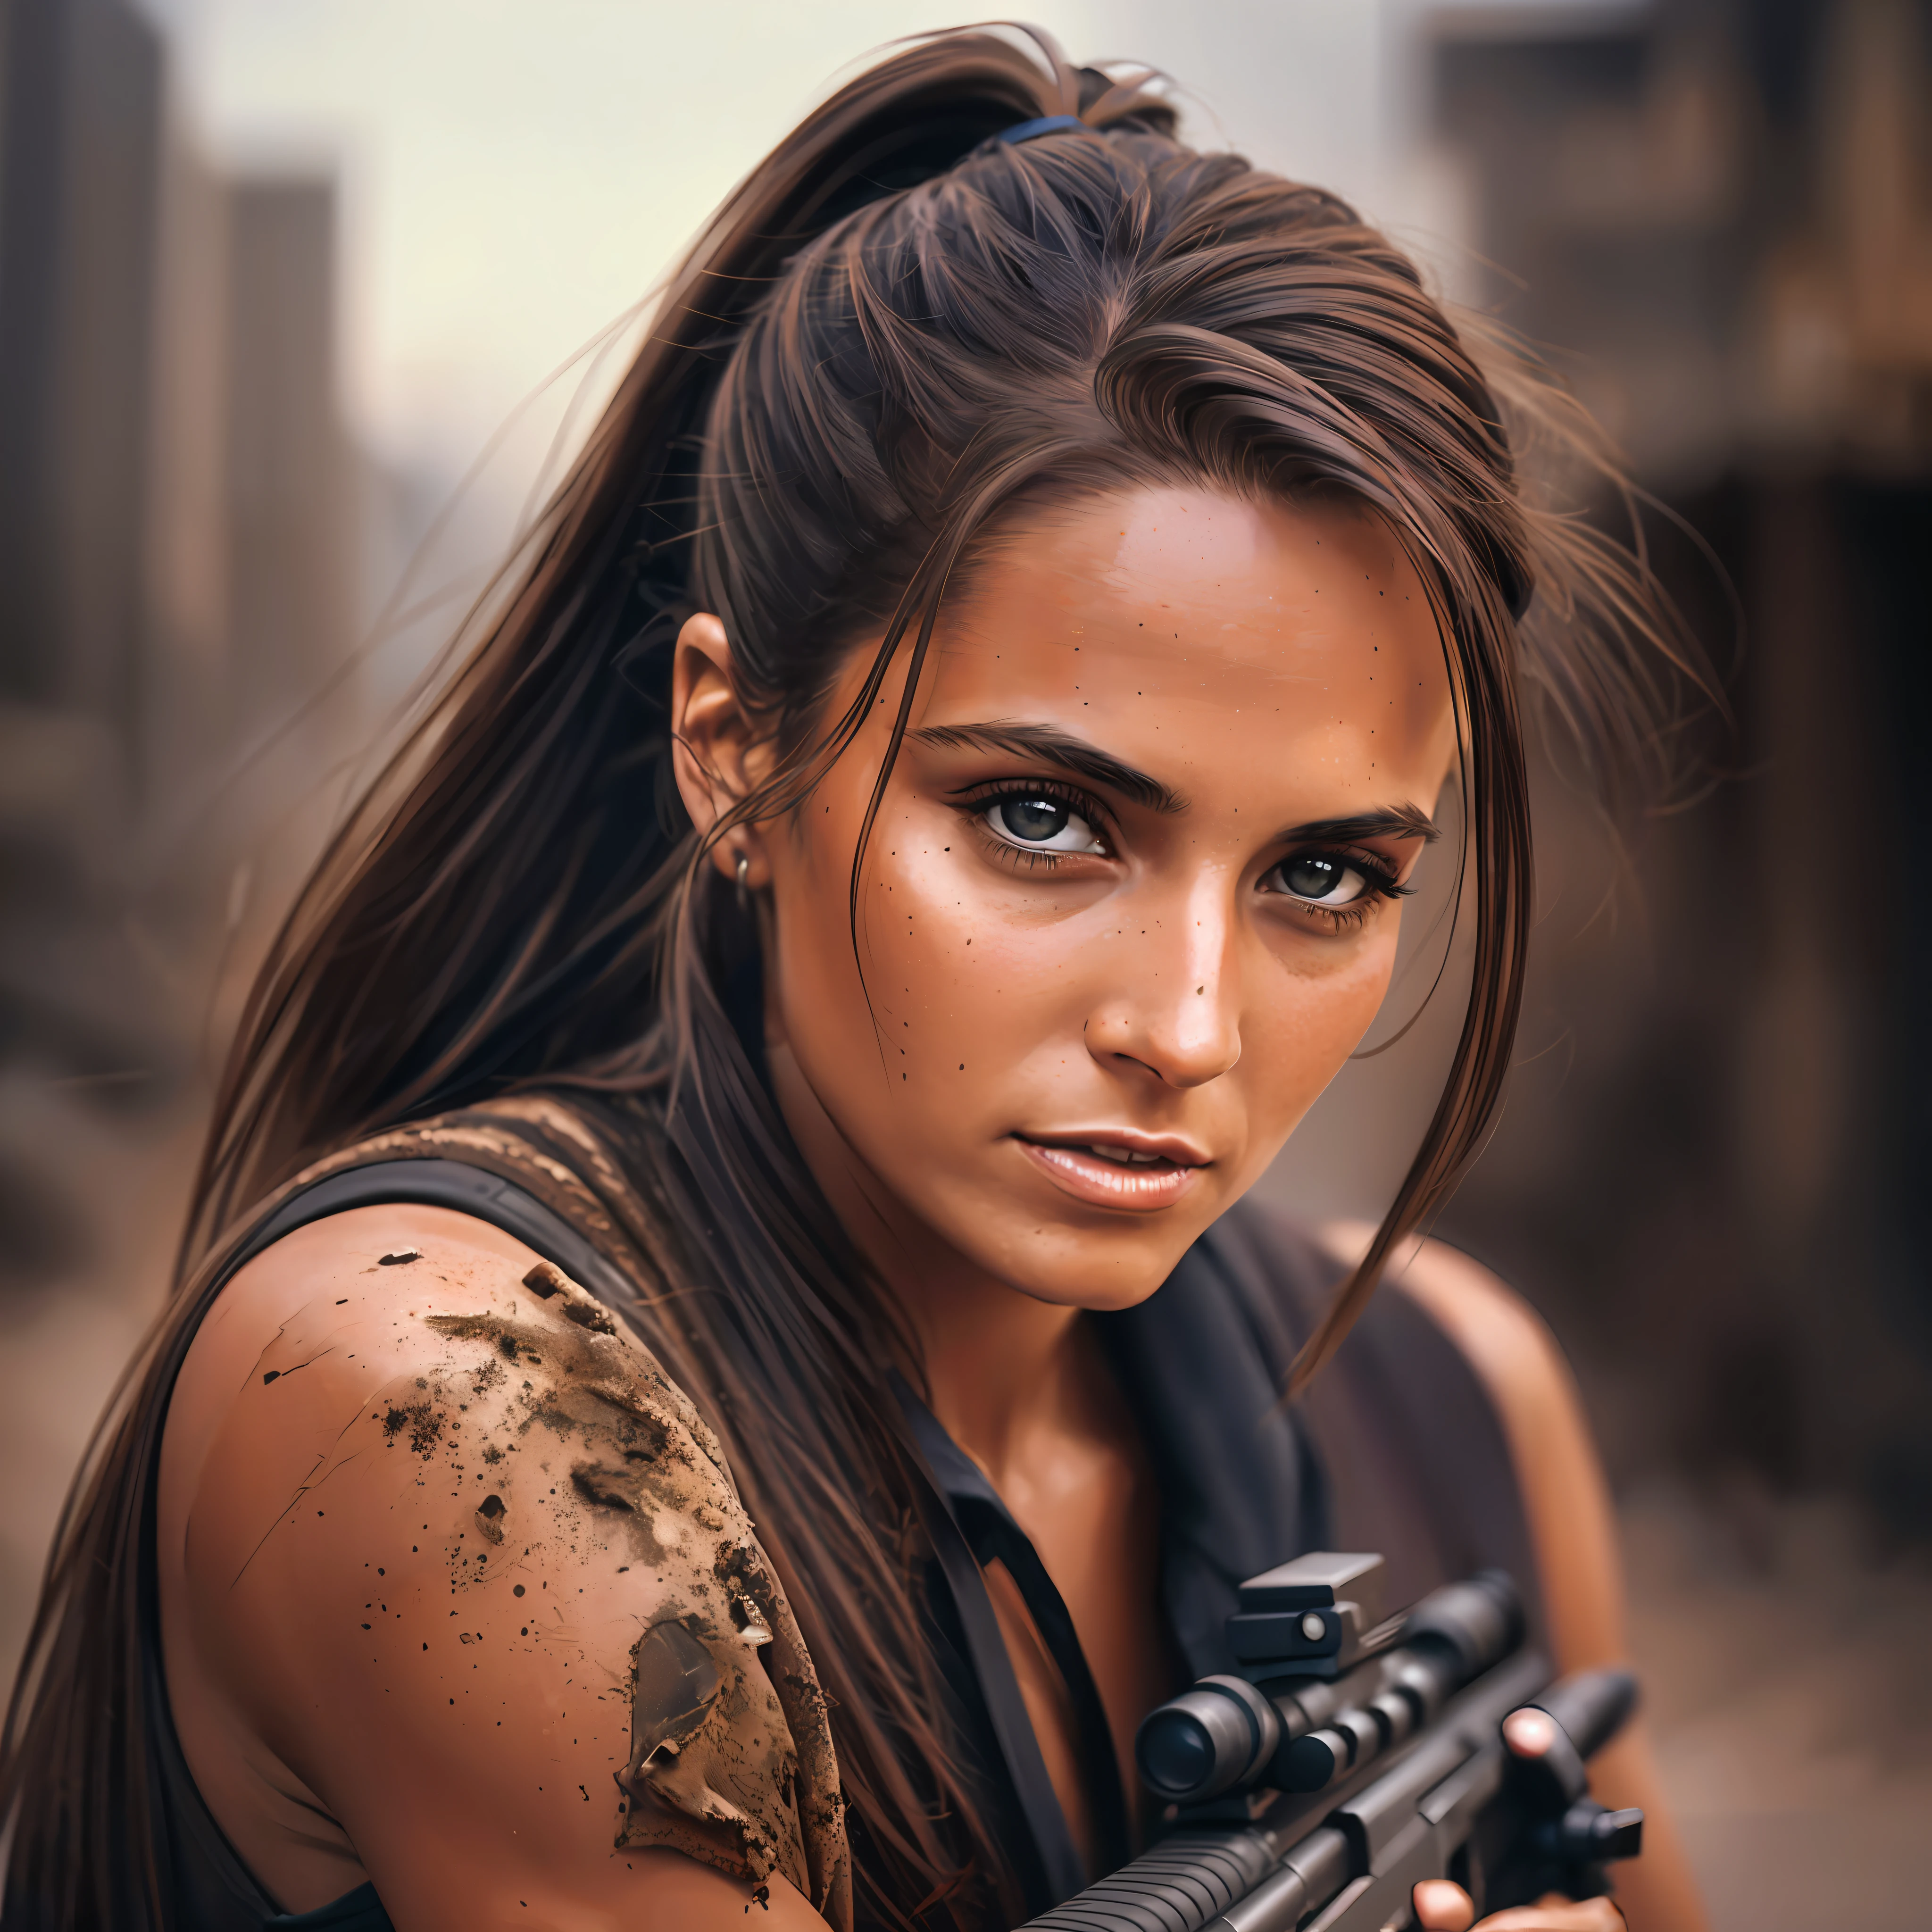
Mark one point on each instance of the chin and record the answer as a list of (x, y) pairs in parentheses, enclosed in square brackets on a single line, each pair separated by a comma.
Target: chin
[(1076, 1267)]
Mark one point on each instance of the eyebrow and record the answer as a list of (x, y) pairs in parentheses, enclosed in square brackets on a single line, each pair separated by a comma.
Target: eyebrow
[(1049, 742), (1400, 821)]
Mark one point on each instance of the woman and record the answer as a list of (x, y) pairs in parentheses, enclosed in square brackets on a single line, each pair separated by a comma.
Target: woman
[(669, 1407)]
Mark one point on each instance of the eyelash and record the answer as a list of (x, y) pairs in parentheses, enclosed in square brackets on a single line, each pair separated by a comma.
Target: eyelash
[(1382, 886), (973, 804)]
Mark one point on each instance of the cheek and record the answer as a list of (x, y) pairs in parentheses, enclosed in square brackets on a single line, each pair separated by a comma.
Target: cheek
[(972, 994), (816, 978), (929, 942), (1296, 1041), (971, 967)]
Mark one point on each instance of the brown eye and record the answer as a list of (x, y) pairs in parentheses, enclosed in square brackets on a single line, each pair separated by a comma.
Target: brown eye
[(1321, 878), (1040, 823)]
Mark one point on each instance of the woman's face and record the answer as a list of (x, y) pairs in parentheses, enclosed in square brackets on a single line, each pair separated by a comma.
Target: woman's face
[(1131, 899)]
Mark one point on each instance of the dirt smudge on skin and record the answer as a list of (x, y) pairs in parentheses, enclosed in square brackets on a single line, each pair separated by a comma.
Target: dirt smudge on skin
[(425, 1424), (489, 1513), (718, 1778), (556, 1410), (595, 1486)]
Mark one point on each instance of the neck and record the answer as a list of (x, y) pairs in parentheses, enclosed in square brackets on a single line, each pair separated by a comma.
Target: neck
[(1001, 1366)]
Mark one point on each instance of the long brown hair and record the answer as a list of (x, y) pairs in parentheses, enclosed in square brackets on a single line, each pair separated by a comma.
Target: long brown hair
[(897, 331)]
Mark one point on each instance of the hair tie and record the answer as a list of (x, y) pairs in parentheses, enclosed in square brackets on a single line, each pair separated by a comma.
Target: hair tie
[(1047, 124)]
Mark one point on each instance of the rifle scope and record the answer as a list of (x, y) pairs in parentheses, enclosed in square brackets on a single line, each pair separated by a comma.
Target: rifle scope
[(1284, 1726)]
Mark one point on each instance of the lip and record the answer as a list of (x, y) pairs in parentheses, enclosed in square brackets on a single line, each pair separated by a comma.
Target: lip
[(1172, 1168)]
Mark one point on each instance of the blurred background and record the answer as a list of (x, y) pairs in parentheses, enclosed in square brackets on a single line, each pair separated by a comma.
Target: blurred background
[(301, 300)]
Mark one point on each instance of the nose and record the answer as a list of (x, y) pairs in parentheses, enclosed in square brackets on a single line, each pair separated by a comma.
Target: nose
[(1174, 1004)]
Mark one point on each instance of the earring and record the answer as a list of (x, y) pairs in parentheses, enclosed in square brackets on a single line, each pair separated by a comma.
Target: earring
[(744, 890)]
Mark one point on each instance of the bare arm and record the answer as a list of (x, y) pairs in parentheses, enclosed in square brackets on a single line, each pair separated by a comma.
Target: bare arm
[(1571, 1525), (414, 1522)]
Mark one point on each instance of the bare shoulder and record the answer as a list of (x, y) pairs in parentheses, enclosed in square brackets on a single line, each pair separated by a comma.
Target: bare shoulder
[(1528, 1382), (411, 1358), (443, 1548), (467, 1348)]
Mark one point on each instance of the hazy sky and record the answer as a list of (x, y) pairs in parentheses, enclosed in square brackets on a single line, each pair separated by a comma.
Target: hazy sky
[(516, 172)]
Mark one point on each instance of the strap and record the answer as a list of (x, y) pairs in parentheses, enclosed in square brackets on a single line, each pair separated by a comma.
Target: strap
[(453, 1184), (997, 1538), (358, 1911), (1012, 1723), (994, 1537)]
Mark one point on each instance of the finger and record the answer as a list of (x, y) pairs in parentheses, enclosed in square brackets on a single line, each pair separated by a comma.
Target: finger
[(1441, 1907), (1529, 1733), (1557, 1914)]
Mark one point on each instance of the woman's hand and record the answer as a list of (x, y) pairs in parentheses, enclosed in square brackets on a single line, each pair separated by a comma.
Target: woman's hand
[(1441, 1907)]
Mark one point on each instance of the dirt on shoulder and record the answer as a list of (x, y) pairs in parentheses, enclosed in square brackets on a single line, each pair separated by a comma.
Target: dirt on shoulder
[(721, 1688)]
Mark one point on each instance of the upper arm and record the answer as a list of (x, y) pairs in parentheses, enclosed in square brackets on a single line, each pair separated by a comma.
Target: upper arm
[(1572, 1526), (432, 1536)]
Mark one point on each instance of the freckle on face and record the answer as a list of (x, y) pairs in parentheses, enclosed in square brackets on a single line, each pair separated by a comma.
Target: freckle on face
[(1254, 704)]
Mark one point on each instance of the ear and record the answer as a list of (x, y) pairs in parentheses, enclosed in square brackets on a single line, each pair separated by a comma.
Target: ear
[(717, 754)]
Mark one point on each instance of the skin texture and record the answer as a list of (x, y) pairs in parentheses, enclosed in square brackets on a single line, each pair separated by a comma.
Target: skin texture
[(1165, 987)]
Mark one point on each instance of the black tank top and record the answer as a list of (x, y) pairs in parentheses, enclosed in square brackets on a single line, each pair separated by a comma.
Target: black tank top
[(1396, 1448)]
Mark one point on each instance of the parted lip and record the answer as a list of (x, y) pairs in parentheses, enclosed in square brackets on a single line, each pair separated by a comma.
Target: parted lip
[(1162, 1147)]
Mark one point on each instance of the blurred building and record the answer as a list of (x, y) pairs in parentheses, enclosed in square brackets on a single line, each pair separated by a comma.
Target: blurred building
[(177, 544), (255, 584), (81, 115), (1721, 210)]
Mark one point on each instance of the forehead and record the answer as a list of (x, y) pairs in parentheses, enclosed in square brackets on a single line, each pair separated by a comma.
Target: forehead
[(1192, 633)]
